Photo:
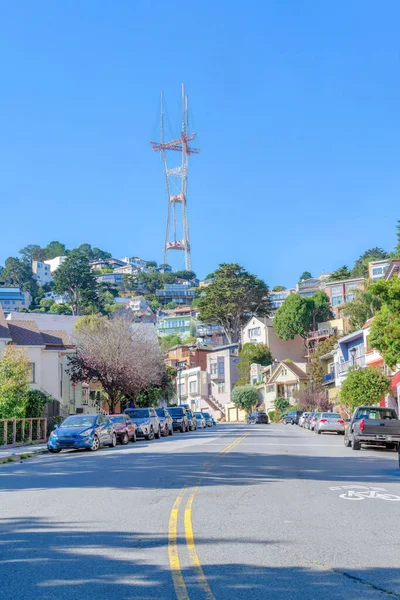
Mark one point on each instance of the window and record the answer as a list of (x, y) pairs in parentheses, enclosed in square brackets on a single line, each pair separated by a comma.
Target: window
[(214, 368), (193, 387), (255, 332), (377, 271), (336, 290), (336, 300), (221, 388), (31, 373), (221, 366)]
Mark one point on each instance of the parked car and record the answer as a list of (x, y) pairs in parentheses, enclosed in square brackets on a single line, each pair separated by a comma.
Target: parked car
[(213, 420), (147, 422), (179, 418), (313, 421), (292, 417), (374, 425), (191, 420), (201, 422), (166, 424), (257, 417), (308, 420), (82, 431), (125, 428), (208, 419), (332, 422), (303, 418)]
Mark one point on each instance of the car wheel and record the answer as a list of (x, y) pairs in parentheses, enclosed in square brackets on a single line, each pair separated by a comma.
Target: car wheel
[(53, 451), (347, 442), (165, 432), (355, 444), (183, 428), (171, 431), (319, 431), (391, 446), (125, 439), (133, 440), (95, 444), (113, 441), (150, 435), (158, 434)]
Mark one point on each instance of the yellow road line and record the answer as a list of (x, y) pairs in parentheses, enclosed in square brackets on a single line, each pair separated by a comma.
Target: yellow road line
[(173, 554), (174, 562)]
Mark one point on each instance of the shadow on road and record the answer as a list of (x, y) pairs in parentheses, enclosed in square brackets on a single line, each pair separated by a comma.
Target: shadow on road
[(54, 560)]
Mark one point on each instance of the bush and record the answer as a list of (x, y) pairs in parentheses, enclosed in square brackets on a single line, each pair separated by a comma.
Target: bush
[(282, 405), (36, 401), (271, 415)]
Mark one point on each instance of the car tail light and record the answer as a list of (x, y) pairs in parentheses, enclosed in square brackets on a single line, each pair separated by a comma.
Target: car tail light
[(323, 420), (341, 421), (362, 424)]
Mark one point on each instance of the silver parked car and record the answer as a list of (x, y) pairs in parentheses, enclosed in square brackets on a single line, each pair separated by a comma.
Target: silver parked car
[(201, 422), (303, 418), (313, 421), (330, 422)]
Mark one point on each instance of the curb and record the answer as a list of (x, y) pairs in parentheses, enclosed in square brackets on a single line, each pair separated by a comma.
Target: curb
[(22, 456)]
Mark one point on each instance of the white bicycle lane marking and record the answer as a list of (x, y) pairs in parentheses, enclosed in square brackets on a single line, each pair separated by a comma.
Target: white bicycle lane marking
[(363, 492)]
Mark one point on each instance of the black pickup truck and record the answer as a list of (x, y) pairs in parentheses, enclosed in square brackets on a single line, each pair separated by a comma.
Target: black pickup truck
[(373, 425)]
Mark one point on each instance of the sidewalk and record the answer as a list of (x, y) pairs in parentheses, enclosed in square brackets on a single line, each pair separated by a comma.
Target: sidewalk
[(14, 453)]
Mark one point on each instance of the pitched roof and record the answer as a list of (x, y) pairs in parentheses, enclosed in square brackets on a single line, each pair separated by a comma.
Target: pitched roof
[(56, 338), (4, 331), (295, 369), (25, 333)]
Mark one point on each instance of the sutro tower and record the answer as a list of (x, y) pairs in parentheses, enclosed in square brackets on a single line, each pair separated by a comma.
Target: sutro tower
[(177, 181)]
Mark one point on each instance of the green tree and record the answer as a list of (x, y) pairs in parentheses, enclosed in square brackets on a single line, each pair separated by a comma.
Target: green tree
[(396, 251), (33, 252), (169, 341), (18, 273), (360, 268), (282, 405), (188, 275), (93, 253), (35, 403), (341, 273), (385, 328), (232, 298), (171, 305), (153, 394), (279, 288), (151, 264), (305, 275), (364, 386), (316, 369), (55, 249), (153, 281), (362, 308), (245, 397), (14, 369), (60, 309), (250, 354), (75, 279), (298, 315), (46, 303)]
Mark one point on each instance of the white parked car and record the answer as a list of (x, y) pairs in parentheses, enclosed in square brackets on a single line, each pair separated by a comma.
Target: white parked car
[(201, 422), (330, 422), (303, 418)]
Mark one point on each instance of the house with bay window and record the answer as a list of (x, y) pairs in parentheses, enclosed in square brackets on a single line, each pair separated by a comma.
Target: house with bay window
[(341, 292)]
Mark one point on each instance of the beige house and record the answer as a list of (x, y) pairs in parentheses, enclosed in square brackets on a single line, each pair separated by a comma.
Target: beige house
[(223, 374), (47, 351), (192, 388), (260, 330), (282, 380)]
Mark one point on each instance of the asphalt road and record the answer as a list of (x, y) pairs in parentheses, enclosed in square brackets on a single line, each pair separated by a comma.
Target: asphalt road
[(233, 512)]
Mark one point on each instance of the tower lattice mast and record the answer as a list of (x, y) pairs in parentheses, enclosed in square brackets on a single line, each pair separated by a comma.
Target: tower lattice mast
[(176, 180)]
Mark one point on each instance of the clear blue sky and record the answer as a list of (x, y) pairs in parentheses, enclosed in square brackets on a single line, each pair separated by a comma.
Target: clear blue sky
[(296, 106)]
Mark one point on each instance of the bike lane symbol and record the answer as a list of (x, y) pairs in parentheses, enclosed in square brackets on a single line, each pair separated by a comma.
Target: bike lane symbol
[(363, 492)]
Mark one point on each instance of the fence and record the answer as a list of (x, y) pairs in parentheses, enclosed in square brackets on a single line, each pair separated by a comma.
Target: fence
[(19, 432)]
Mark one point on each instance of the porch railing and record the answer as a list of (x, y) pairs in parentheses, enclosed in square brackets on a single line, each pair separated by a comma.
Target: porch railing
[(20, 432)]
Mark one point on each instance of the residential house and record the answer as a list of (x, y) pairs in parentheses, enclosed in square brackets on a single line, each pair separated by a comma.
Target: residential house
[(308, 287), (183, 326), (47, 321), (41, 272), (278, 298), (56, 297), (56, 262), (337, 327), (223, 373), (180, 293), (106, 263), (378, 268), (282, 380), (211, 335), (111, 278), (341, 292), (393, 268), (329, 374), (350, 352), (187, 356), (47, 351), (12, 299), (136, 262), (192, 388), (260, 330), (138, 303)]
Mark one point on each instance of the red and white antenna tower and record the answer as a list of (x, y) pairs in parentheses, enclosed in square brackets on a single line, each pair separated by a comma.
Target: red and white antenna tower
[(176, 180)]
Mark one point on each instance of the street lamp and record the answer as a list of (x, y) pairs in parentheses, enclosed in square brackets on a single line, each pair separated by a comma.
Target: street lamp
[(312, 391), (353, 352), (179, 384)]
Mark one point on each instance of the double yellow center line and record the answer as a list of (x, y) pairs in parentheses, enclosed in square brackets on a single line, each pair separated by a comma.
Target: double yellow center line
[(174, 561)]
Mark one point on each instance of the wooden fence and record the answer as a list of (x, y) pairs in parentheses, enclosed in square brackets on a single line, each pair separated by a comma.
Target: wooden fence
[(20, 432)]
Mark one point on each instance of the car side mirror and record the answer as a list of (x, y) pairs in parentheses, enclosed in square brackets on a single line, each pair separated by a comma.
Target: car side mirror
[(55, 426)]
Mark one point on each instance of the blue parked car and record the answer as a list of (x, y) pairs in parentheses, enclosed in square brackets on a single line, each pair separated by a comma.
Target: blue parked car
[(83, 431)]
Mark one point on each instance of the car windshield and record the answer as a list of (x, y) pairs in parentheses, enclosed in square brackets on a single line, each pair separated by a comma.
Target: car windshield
[(198, 415), (119, 419), (78, 421), (175, 411), (331, 416), (138, 413), (376, 413), (206, 415), (160, 412)]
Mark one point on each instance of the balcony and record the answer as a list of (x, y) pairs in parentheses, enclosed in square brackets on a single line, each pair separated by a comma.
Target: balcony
[(328, 378), (217, 376), (319, 333), (343, 368)]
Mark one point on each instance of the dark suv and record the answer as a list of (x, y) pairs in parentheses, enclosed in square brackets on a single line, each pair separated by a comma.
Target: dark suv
[(257, 417), (292, 417), (179, 418), (165, 421), (147, 422)]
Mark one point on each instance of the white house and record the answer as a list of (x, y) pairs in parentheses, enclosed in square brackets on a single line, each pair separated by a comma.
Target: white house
[(41, 272), (54, 263), (260, 330)]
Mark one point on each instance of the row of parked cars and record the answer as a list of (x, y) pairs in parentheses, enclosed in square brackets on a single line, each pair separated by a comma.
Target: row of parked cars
[(92, 431), (321, 422)]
